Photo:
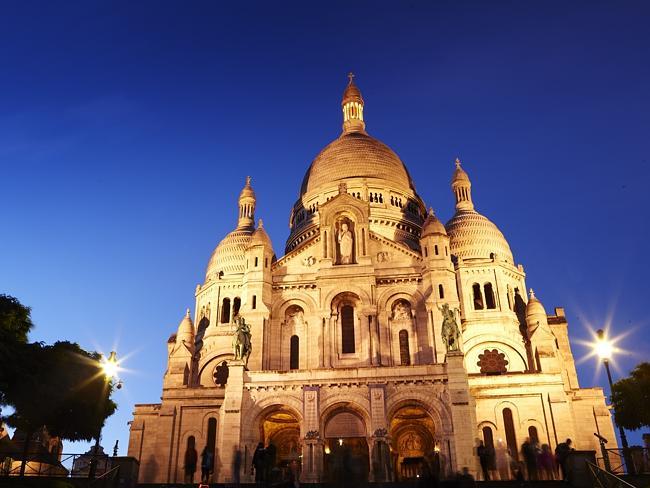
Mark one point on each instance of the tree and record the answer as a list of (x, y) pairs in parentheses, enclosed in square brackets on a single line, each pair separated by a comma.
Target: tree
[(631, 399), (60, 386)]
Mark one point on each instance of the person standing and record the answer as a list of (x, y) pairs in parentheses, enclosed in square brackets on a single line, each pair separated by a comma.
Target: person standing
[(562, 452), (483, 456), (191, 457), (545, 463), (529, 451), (207, 461), (259, 464), (236, 466)]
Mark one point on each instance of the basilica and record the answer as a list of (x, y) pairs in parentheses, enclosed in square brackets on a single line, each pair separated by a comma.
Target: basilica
[(379, 333)]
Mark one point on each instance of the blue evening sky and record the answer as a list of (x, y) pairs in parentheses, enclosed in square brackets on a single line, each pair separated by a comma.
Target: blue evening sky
[(127, 129)]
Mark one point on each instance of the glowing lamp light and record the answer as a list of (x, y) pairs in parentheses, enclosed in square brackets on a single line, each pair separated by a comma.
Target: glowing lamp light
[(340, 442), (327, 450), (603, 347), (110, 366)]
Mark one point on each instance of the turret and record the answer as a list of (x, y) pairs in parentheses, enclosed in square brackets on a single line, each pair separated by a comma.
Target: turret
[(462, 188), (352, 106), (181, 351), (246, 207), (434, 241), (535, 314), (185, 334)]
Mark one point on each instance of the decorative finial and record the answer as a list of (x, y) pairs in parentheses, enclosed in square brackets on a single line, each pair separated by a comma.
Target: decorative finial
[(343, 188), (431, 212), (187, 313), (532, 293), (457, 163), (248, 181), (260, 224), (351, 77)]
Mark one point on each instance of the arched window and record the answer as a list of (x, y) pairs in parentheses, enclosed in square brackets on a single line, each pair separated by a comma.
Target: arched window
[(441, 291), (225, 311), (236, 305), (256, 259), (488, 438), (477, 296), (254, 304), (511, 439), (533, 435), (211, 442), (435, 249), (294, 358), (489, 296), (404, 353), (347, 329), (426, 254)]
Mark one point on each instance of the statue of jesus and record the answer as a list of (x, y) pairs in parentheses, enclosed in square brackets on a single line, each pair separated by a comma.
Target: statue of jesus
[(345, 244)]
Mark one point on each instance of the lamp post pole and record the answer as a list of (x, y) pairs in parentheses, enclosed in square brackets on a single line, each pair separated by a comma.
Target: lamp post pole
[(604, 352)]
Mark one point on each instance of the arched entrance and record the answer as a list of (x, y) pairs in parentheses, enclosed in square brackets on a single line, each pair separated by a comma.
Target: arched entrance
[(414, 451), (346, 448), (281, 429)]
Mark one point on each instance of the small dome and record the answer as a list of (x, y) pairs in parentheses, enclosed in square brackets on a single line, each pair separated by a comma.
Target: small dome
[(247, 191), (535, 313), (228, 257), (356, 155), (351, 93), (474, 236), (185, 329), (260, 237), (432, 225), (459, 174), (534, 306)]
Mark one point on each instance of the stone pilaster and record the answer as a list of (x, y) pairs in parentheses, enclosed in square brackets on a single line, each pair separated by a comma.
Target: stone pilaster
[(463, 413), (230, 432), (312, 450)]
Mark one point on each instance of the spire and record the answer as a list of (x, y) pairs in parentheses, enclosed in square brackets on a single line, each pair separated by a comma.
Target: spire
[(246, 207), (352, 105), (462, 188)]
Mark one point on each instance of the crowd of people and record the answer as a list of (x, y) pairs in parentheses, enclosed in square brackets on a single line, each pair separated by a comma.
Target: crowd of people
[(538, 461)]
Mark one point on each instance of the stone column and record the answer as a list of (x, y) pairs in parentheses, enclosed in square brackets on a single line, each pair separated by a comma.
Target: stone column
[(231, 420), (463, 413)]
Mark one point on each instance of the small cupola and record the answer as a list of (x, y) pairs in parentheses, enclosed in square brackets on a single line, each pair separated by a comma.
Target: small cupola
[(352, 105), (185, 334), (535, 313), (247, 200), (462, 188)]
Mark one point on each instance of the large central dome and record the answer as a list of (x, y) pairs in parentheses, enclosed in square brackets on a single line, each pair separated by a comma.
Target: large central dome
[(368, 170), (355, 155)]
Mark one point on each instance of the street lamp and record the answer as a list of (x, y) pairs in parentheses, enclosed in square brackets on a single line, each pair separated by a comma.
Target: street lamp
[(110, 367), (604, 349)]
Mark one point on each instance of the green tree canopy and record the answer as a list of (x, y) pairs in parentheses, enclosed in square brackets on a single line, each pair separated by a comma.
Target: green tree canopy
[(631, 399), (15, 320), (60, 386)]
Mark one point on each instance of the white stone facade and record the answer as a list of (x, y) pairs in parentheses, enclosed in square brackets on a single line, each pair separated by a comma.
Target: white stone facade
[(347, 342)]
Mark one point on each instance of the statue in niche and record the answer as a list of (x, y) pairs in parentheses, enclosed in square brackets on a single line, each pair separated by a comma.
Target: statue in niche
[(294, 316), (345, 241), (450, 331), (241, 340), (402, 310)]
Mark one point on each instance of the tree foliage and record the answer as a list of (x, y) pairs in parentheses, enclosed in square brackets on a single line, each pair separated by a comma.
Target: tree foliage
[(631, 399), (60, 386)]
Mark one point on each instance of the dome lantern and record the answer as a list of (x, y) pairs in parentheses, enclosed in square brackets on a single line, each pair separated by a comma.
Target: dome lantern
[(246, 206), (462, 188), (352, 105)]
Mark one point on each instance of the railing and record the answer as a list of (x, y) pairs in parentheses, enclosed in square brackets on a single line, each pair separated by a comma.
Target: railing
[(62, 465), (618, 462), (605, 479)]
